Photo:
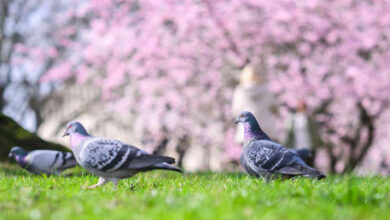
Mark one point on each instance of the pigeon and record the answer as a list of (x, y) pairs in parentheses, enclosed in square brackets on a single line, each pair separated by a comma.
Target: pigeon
[(48, 162), (110, 159), (304, 153), (267, 159)]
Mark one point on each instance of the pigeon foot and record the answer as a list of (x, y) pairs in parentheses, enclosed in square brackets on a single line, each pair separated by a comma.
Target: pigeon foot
[(101, 182)]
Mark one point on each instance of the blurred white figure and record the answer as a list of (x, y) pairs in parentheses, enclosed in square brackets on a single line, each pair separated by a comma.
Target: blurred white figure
[(303, 132), (299, 129), (252, 95)]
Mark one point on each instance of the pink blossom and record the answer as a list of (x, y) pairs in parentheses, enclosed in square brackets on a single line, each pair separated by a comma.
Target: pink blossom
[(175, 55)]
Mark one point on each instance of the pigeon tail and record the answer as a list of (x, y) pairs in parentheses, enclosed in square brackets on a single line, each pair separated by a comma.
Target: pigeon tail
[(163, 159), (312, 173), (149, 160), (165, 166), (69, 160), (302, 170), (315, 174)]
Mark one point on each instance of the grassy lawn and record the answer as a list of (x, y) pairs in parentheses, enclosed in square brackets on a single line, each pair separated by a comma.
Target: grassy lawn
[(167, 195)]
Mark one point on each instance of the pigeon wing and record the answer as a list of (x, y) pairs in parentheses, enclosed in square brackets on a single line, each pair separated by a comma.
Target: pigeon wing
[(43, 161), (66, 160), (111, 155), (264, 155)]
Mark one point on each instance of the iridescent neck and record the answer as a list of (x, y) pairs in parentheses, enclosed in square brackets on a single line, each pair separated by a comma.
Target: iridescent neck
[(252, 131), (76, 139), (21, 160)]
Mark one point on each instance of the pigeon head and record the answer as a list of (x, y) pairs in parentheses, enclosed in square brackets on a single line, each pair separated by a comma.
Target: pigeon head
[(245, 116), (17, 152), (252, 129), (75, 127)]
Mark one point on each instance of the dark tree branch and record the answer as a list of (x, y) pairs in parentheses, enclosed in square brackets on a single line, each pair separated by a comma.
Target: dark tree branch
[(3, 16), (358, 153), (332, 158), (181, 149)]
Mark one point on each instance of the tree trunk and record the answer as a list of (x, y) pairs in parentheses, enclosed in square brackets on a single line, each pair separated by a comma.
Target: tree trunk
[(181, 149), (12, 134), (359, 152), (332, 159)]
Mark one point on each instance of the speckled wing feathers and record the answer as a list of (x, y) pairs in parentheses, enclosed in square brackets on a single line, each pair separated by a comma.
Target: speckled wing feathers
[(268, 156), (67, 160), (107, 155), (111, 155), (278, 160)]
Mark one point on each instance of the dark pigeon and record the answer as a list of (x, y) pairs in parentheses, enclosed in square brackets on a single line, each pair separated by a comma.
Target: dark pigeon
[(47, 162), (109, 159), (304, 153), (265, 158)]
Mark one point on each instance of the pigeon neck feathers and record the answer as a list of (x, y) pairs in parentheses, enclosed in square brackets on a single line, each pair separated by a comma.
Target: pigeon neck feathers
[(252, 131), (22, 160), (77, 138)]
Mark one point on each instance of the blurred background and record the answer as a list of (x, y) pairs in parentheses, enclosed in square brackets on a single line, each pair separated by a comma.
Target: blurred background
[(169, 76)]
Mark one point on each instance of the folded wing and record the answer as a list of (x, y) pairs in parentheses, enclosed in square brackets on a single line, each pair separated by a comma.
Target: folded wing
[(112, 155), (268, 156)]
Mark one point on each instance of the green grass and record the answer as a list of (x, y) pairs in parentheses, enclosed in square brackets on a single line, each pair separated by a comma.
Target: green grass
[(167, 195)]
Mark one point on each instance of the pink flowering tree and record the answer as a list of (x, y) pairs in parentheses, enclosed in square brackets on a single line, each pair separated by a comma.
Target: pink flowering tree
[(331, 54), (334, 58), (21, 94)]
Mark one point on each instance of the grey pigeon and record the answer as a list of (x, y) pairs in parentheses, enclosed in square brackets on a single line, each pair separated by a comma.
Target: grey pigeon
[(265, 158), (43, 161), (304, 153), (109, 159)]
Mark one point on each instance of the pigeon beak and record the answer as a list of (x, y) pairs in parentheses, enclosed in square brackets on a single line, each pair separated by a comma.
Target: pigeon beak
[(10, 155), (65, 134), (237, 121)]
